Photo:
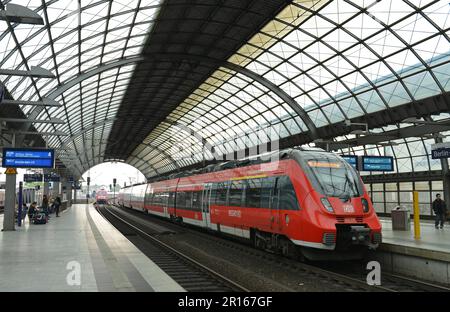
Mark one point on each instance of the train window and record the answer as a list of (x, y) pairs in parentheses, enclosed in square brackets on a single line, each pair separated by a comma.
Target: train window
[(171, 199), (213, 194), (253, 193), (166, 198), (154, 199), (160, 199), (188, 202), (157, 199), (221, 193), (235, 193), (288, 198), (267, 188), (181, 200), (196, 200)]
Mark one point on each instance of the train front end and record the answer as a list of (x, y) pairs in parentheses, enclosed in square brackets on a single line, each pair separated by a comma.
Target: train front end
[(101, 197), (338, 214)]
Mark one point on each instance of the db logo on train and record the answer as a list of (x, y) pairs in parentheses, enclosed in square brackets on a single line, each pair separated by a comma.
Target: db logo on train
[(348, 208)]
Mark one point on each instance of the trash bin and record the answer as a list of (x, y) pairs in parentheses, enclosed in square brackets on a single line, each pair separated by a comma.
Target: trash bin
[(400, 219)]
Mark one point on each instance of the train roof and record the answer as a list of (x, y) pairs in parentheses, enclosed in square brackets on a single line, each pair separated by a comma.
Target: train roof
[(253, 160), (231, 164)]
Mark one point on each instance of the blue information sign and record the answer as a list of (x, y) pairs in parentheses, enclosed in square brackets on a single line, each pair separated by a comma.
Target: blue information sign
[(352, 160), (28, 158), (32, 177), (377, 163)]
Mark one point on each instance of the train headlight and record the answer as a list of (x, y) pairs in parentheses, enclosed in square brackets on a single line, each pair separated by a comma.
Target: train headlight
[(326, 204), (365, 205)]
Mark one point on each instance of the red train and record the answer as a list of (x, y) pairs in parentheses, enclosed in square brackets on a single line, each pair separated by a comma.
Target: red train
[(101, 197), (308, 203)]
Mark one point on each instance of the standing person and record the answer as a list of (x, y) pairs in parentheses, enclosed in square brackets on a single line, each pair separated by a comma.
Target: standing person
[(57, 204), (45, 204), (440, 211)]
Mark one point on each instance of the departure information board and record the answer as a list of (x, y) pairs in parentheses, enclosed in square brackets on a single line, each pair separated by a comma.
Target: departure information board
[(352, 160), (377, 163), (28, 158), (51, 177), (32, 177)]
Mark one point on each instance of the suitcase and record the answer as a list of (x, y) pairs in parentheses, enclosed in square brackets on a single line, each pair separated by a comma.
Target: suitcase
[(40, 218)]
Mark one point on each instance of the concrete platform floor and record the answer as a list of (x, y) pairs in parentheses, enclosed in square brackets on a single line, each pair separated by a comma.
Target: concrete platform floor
[(79, 251), (430, 239)]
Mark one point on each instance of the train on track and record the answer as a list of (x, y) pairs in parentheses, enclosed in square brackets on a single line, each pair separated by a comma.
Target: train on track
[(306, 203), (102, 197)]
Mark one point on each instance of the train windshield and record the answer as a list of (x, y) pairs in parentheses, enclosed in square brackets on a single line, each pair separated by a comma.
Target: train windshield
[(335, 177)]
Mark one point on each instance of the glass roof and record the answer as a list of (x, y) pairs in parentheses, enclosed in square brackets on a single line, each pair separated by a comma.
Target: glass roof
[(337, 59), (79, 38), (411, 154)]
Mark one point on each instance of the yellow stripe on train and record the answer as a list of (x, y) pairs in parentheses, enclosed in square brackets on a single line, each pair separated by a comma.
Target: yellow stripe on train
[(250, 177)]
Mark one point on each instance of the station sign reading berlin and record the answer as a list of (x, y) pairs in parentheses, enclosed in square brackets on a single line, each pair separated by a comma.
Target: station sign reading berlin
[(28, 158), (440, 150)]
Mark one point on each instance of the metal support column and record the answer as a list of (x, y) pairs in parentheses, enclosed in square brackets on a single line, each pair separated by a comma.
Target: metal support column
[(10, 203), (63, 189), (446, 182), (69, 190), (46, 184), (19, 204), (56, 189), (75, 195)]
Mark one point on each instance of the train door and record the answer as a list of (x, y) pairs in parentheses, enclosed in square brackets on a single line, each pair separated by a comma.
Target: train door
[(206, 196), (165, 203), (274, 205)]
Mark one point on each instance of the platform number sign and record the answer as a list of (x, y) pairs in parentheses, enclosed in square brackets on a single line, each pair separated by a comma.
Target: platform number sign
[(73, 277), (374, 275)]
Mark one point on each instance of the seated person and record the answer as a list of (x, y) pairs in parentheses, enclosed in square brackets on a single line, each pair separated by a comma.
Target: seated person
[(33, 209)]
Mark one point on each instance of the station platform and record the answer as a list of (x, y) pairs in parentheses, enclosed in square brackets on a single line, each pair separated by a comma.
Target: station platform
[(79, 251), (427, 258), (433, 243)]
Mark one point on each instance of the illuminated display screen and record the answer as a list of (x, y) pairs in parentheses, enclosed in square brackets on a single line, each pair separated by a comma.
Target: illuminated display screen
[(28, 158), (32, 177), (352, 160), (377, 163), (51, 178), (325, 164)]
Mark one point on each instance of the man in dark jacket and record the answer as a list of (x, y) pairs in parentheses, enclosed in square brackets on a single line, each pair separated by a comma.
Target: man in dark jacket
[(440, 211), (57, 205), (32, 211), (45, 205)]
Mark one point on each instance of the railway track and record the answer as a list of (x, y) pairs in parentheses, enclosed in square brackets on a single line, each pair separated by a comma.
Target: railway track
[(347, 276), (392, 282), (187, 272), (341, 282)]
